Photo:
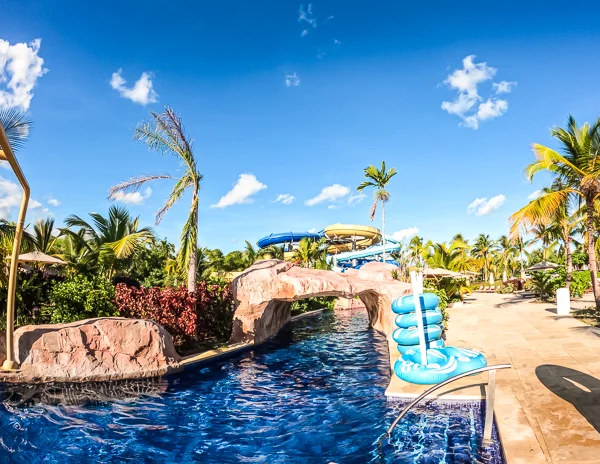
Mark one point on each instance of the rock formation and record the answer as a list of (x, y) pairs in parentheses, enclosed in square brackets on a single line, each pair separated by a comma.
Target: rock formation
[(93, 350), (264, 292)]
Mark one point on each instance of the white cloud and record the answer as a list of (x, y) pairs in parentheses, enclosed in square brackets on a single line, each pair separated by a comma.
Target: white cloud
[(483, 206), (11, 194), (534, 195), (285, 198), (333, 192), (246, 186), (141, 92), (469, 105), (307, 15), (405, 233), (20, 68), (292, 80), (133, 198), (492, 108), (503, 87), (314, 230), (53, 202), (337, 42), (304, 33), (355, 199)]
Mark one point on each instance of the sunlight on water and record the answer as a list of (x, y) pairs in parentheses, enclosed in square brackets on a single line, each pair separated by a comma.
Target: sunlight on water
[(315, 394)]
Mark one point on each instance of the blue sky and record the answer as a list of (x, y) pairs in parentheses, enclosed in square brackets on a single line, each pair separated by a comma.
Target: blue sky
[(299, 111)]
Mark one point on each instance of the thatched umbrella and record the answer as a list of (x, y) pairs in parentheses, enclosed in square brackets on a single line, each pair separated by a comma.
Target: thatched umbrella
[(543, 266), (39, 257), (439, 272)]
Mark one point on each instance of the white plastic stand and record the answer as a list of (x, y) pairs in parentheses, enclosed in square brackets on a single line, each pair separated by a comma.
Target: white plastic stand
[(563, 302), (416, 281)]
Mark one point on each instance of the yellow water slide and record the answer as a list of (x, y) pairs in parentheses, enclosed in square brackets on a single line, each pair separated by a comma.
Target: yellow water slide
[(349, 237)]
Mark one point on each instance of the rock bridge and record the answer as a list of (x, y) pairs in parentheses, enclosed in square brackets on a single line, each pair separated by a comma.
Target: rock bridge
[(265, 291)]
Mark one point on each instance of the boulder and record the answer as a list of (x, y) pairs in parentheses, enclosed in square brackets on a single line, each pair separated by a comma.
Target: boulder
[(264, 292), (94, 350)]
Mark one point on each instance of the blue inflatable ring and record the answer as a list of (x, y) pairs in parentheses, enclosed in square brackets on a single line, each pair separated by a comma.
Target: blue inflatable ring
[(411, 336), (442, 363), (405, 321), (406, 304), (439, 343)]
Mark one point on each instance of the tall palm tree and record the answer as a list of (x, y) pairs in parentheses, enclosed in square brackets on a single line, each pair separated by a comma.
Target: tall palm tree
[(378, 178), (578, 168), (484, 248), (111, 239), (165, 133)]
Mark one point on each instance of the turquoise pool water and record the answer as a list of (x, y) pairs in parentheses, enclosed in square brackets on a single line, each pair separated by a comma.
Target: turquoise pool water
[(315, 394)]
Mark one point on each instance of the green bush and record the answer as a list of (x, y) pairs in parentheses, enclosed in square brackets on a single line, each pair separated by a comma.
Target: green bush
[(430, 287), (580, 282), (505, 288), (82, 298), (311, 304)]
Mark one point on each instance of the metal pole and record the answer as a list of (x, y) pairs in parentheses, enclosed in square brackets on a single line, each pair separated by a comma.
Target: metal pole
[(7, 154), (414, 278), (490, 399)]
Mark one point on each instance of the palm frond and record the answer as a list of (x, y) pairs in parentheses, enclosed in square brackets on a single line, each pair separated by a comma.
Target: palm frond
[(17, 126), (134, 184)]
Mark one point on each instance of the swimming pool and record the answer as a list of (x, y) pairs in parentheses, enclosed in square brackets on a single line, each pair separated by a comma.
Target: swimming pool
[(313, 394)]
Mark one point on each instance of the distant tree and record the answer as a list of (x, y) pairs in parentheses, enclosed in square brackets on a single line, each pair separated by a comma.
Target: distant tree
[(378, 179)]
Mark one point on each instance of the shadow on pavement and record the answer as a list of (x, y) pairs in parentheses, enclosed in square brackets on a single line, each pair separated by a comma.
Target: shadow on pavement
[(580, 389)]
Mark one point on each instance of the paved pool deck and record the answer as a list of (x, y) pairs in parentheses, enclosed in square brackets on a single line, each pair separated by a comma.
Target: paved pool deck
[(548, 404)]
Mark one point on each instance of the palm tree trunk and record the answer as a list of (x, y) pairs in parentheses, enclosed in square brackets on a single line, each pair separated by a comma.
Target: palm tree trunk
[(592, 252), (193, 263), (569, 259), (383, 227)]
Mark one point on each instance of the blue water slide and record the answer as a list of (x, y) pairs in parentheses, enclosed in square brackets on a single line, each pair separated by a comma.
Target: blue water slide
[(391, 245), (288, 237)]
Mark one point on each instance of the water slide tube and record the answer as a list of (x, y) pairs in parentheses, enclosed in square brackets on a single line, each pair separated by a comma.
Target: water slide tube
[(443, 361), (391, 245), (348, 237), (287, 237)]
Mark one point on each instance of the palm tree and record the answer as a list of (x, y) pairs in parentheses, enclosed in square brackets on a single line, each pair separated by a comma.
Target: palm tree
[(578, 168), (109, 240), (272, 252), (378, 178), (549, 224), (309, 251), (451, 257), (508, 252), (166, 134), (416, 251), (42, 236), (483, 249)]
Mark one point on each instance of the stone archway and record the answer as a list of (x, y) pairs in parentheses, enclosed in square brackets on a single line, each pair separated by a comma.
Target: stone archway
[(264, 292)]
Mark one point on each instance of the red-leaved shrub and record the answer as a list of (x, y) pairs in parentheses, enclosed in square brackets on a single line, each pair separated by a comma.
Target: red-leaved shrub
[(193, 319)]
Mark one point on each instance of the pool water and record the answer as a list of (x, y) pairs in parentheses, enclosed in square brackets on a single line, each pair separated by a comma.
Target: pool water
[(314, 394)]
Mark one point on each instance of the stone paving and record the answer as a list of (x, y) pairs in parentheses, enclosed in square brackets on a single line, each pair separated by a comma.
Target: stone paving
[(548, 405)]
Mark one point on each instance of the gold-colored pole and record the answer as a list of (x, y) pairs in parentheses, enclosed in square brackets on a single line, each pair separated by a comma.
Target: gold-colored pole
[(7, 154)]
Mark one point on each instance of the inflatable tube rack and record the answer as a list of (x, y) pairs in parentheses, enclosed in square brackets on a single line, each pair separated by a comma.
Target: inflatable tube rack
[(443, 361)]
